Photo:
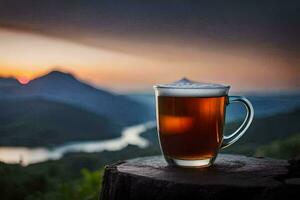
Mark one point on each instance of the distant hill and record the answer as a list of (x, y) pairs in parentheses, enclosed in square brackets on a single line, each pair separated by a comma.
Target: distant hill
[(7, 85), (261, 132), (40, 122), (8, 82), (287, 148), (264, 130), (64, 87)]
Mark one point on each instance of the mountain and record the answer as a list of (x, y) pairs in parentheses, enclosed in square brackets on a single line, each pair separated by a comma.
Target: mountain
[(40, 122), (5, 82), (267, 129), (65, 88)]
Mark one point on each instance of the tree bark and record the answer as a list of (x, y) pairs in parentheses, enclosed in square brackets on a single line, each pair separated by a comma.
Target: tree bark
[(231, 177)]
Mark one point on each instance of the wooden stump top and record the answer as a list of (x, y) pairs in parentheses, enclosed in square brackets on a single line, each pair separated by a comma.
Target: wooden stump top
[(232, 176)]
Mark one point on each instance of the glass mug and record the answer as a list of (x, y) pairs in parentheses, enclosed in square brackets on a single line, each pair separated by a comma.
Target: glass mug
[(190, 120)]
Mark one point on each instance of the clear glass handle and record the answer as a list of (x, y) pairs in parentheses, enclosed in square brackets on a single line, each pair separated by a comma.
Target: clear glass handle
[(232, 138)]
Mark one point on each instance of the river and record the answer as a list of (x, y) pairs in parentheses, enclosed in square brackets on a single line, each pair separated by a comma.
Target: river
[(25, 156)]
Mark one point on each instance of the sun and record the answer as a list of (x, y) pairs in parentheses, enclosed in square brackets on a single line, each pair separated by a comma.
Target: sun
[(23, 80)]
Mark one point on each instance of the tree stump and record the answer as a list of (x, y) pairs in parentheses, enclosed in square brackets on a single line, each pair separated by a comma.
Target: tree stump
[(231, 177)]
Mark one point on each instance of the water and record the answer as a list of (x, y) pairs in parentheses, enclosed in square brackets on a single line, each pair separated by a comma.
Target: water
[(264, 105), (26, 156)]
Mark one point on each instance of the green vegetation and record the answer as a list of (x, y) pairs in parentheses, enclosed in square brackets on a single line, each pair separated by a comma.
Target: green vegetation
[(284, 149), (76, 176), (38, 122), (264, 130), (47, 182), (84, 188)]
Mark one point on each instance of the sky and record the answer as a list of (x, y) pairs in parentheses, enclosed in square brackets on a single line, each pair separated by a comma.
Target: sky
[(128, 46)]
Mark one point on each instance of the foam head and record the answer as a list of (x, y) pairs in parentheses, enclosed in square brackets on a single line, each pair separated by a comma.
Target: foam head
[(187, 88)]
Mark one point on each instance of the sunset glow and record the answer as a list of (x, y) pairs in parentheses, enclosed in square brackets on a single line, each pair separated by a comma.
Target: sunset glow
[(23, 80), (136, 67), (84, 84)]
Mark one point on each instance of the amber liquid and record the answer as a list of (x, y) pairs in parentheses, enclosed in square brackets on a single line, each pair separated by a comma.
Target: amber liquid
[(191, 128)]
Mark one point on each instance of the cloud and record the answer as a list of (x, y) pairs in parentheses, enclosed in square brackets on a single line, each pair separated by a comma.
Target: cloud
[(271, 23), (132, 44)]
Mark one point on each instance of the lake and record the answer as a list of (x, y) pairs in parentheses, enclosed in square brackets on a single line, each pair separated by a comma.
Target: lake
[(264, 105), (25, 156)]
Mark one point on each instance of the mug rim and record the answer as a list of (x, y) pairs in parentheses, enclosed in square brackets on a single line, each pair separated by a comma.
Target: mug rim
[(218, 86), (189, 88), (191, 92), (185, 83)]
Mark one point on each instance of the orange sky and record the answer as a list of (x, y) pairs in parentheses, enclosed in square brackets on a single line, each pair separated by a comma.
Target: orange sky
[(137, 65)]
